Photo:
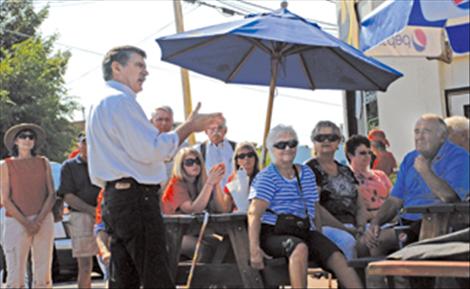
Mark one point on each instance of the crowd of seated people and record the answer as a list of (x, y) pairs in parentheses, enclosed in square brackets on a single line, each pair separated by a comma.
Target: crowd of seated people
[(346, 205)]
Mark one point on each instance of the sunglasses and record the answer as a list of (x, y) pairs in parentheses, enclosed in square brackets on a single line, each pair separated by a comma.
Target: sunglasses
[(364, 153), (326, 137), (191, 162), (283, 144), (25, 135), (247, 155)]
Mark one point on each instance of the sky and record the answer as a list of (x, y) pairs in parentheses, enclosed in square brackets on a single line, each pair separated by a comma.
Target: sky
[(88, 29)]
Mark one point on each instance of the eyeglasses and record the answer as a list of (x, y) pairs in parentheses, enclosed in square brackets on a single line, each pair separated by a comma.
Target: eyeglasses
[(364, 153), (247, 155), (328, 137), (283, 144), (191, 162), (25, 135)]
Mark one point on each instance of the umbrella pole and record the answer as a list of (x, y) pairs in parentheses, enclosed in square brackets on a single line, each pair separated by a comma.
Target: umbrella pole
[(267, 127)]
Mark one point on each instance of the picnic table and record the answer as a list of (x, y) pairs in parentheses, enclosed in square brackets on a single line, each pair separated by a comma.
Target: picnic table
[(437, 220), (231, 274)]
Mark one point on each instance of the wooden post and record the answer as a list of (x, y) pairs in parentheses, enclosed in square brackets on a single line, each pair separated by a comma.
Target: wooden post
[(267, 127), (188, 106)]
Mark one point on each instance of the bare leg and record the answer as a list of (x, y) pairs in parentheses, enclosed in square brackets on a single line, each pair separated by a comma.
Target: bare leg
[(84, 272), (345, 274), (298, 262)]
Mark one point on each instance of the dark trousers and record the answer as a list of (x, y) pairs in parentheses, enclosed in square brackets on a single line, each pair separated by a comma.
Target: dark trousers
[(138, 243)]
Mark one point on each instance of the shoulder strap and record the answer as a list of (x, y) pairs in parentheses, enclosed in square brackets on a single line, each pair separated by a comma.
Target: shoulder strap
[(203, 150), (232, 144)]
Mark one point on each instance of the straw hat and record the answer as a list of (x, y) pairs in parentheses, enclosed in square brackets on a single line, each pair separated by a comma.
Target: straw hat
[(12, 132)]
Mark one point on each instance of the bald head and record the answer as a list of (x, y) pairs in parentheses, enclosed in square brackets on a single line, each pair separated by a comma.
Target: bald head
[(430, 133), (458, 127)]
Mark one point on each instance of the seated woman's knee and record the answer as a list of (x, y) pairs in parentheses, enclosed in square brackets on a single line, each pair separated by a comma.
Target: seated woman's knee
[(300, 253)]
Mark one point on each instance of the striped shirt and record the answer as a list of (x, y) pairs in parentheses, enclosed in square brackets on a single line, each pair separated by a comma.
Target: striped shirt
[(283, 195)]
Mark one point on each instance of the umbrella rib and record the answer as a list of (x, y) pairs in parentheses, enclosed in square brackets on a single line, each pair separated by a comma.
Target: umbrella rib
[(298, 49), (307, 71), (259, 44), (358, 70), (239, 65), (203, 43)]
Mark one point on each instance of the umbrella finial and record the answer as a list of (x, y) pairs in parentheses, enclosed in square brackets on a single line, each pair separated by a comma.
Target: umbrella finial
[(284, 4)]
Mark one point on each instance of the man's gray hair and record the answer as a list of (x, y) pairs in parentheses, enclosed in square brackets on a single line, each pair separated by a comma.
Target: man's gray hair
[(274, 134), (165, 108), (121, 54), (440, 122), (325, 124), (458, 123)]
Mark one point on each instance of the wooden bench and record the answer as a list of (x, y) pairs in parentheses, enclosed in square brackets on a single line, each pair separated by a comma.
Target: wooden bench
[(413, 268)]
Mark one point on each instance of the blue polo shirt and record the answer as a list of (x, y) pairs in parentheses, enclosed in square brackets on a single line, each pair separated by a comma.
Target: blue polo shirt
[(451, 164)]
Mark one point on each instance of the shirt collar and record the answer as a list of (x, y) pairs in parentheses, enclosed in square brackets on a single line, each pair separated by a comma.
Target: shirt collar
[(121, 87), (80, 159), (221, 144), (440, 153)]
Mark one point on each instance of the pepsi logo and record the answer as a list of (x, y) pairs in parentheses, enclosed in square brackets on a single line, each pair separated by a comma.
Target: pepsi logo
[(463, 4), (419, 40)]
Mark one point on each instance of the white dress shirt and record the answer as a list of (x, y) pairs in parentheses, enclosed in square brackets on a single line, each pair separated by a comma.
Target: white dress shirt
[(216, 154), (122, 142)]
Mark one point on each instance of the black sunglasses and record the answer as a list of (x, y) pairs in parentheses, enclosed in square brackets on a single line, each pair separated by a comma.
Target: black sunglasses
[(364, 153), (324, 137), (25, 135), (283, 144), (191, 162), (247, 155)]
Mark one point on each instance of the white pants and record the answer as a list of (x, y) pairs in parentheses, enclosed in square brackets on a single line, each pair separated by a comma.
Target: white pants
[(17, 245)]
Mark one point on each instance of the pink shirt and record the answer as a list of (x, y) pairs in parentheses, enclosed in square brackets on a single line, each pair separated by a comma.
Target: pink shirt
[(374, 188)]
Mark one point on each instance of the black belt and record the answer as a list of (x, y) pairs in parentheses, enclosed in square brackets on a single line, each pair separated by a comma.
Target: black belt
[(131, 181)]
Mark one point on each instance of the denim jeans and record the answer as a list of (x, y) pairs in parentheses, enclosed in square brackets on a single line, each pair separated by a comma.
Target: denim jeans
[(138, 239), (344, 240)]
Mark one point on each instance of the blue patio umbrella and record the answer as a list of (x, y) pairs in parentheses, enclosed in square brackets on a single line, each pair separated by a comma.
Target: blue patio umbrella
[(394, 16), (276, 49)]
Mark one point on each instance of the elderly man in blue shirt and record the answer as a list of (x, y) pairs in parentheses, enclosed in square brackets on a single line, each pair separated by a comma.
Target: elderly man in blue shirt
[(126, 157), (436, 172)]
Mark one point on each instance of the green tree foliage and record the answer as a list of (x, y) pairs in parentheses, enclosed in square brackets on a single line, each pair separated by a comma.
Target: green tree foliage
[(32, 80)]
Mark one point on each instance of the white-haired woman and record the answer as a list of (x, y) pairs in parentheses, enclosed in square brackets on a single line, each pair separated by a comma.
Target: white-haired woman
[(28, 196), (285, 188)]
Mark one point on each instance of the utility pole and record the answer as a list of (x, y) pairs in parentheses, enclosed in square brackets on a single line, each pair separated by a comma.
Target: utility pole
[(188, 106)]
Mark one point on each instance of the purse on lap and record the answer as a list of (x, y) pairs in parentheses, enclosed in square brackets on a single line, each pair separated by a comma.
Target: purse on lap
[(289, 224)]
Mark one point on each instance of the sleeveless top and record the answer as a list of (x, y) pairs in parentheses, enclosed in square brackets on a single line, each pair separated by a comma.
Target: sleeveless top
[(338, 194), (28, 184)]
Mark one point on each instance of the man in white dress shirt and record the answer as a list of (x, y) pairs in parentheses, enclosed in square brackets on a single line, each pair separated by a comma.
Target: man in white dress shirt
[(218, 149), (126, 157)]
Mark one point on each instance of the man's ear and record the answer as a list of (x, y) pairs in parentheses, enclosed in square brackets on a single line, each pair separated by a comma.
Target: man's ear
[(115, 67)]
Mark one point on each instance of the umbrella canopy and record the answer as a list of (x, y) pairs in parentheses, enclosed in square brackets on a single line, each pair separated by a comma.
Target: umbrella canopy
[(413, 27), (276, 49)]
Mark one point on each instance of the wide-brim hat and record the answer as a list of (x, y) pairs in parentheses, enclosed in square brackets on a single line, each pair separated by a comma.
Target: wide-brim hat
[(12, 132)]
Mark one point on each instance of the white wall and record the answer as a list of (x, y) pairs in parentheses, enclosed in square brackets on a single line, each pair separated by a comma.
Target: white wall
[(416, 93)]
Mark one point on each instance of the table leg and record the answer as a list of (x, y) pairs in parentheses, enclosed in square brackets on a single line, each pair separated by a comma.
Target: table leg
[(174, 240), (239, 239)]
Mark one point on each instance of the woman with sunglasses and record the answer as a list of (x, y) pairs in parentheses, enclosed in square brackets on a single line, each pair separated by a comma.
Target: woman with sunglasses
[(345, 212), (374, 185), (285, 188), (28, 196), (190, 191), (246, 167)]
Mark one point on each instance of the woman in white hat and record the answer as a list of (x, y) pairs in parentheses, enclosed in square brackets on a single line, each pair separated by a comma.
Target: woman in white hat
[(28, 197)]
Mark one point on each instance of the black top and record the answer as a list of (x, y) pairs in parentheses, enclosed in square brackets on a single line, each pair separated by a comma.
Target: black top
[(338, 194), (74, 179)]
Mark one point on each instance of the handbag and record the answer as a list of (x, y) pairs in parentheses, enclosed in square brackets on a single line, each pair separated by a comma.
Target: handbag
[(289, 224)]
